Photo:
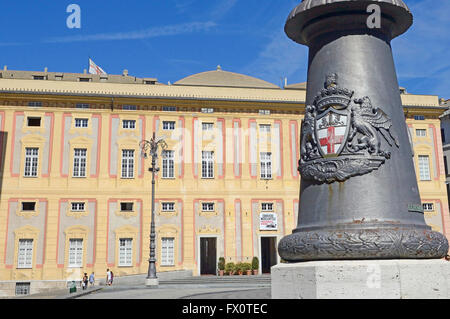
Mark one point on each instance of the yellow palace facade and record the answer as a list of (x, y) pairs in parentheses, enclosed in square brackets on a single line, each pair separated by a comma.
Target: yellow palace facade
[(75, 192)]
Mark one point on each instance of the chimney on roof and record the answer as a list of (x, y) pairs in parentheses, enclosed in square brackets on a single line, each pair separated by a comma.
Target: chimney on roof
[(45, 69), (219, 68), (125, 72), (5, 68), (84, 71)]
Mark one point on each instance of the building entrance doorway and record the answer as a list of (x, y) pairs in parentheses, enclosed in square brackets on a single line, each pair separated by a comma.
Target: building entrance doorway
[(268, 253), (208, 256)]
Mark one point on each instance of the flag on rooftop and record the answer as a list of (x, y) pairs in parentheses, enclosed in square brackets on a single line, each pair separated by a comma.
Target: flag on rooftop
[(94, 68)]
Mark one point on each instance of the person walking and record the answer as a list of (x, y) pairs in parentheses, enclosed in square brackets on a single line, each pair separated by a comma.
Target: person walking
[(92, 279), (108, 277), (85, 281)]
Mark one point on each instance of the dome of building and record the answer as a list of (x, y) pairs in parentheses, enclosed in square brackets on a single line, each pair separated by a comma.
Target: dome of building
[(221, 78), (296, 86)]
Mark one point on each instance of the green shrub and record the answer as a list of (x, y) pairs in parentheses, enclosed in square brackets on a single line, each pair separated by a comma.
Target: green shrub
[(239, 266), (255, 263), (230, 267), (246, 266), (221, 263)]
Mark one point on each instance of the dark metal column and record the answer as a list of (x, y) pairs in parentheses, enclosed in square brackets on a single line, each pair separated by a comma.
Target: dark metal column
[(359, 197)]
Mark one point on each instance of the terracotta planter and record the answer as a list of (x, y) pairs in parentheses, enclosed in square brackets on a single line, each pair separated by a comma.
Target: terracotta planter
[(221, 272), (255, 271), (249, 272), (240, 272)]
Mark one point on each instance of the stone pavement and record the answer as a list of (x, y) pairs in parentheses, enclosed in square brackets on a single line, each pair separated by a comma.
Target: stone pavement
[(180, 287), (188, 292), (203, 287), (254, 294), (62, 293)]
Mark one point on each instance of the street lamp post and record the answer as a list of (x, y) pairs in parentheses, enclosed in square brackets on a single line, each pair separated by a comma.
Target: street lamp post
[(152, 148)]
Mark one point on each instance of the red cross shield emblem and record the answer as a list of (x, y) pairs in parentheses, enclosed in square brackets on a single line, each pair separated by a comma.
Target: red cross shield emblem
[(332, 131)]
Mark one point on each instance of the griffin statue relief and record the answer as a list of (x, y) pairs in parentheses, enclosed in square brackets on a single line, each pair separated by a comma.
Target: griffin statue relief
[(367, 120)]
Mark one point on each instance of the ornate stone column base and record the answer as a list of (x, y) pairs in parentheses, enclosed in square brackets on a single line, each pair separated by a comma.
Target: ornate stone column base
[(362, 279), (366, 243)]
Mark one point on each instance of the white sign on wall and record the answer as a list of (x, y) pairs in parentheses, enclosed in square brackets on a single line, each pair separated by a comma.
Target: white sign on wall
[(268, 221)]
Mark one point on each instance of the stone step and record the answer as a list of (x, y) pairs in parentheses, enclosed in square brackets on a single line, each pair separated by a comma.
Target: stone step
[(211, 280), (219, 279)]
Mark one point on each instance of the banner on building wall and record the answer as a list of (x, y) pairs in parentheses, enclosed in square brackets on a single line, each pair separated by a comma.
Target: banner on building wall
[(268, 221)]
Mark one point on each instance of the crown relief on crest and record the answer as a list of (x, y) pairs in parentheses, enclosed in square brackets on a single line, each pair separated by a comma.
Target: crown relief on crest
[(341, 135)]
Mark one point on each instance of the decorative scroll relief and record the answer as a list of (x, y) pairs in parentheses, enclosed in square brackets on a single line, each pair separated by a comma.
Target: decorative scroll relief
[(167, 214), (77, 214), (208, 229), (126, 214), (27, 214), (341, 135), (208, 213)]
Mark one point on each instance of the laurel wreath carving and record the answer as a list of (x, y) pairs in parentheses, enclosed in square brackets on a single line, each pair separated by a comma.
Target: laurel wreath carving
[(363, 244), (340, 169)]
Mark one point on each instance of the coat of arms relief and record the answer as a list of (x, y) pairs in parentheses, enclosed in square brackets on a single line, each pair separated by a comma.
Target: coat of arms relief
[(341, 135)]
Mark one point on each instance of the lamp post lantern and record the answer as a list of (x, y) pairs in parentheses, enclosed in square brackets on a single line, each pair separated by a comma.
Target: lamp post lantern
[(151, 147)]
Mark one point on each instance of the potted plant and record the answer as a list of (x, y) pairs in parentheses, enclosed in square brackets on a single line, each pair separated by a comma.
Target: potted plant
[(239, 269), (221, 266), (255, 265), (247, 268), (230, 268)]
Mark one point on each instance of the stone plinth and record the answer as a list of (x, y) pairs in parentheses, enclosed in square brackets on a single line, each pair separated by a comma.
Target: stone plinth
[(362, 279), (151, 282)]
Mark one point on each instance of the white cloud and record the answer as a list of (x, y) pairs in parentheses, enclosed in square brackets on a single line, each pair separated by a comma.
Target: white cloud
[(140, 34), (280, 58), (222, 9), (183, 5), (421, 55)]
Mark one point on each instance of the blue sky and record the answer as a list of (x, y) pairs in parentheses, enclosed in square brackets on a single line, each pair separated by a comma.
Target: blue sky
[(171, 39)]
